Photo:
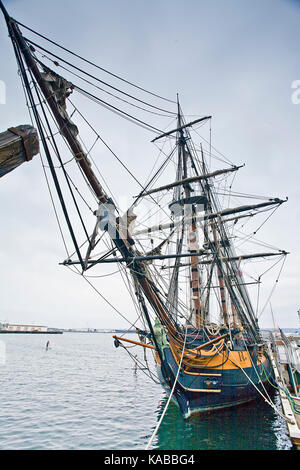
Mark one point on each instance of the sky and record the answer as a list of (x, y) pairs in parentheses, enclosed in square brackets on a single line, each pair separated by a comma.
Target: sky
[(232, 59)]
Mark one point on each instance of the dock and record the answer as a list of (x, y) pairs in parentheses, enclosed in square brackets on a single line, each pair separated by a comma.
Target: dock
[(287, 377)]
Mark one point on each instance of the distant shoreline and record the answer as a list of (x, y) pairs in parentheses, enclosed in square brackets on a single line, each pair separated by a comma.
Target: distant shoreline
[(98, 331), (31, 332)]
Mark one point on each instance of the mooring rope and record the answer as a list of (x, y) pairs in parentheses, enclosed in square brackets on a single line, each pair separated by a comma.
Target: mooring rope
[(278, 387), (265, 399), (170, 396)]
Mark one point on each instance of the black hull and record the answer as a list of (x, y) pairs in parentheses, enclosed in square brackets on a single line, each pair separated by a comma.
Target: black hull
[(214, 389)]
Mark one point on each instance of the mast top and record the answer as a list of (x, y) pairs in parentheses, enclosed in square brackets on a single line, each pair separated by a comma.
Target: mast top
[(181, 128)]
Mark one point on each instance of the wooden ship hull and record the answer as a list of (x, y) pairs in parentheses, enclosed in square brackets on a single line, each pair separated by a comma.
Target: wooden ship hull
[(227, 378)]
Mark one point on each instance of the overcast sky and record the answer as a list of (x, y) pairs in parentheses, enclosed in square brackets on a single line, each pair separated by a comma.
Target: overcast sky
[(233, 59)]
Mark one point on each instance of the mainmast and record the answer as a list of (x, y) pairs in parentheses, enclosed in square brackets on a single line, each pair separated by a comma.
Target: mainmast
[(227, 272)]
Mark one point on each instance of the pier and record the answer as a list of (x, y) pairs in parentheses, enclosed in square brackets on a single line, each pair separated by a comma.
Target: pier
[(283, 380)]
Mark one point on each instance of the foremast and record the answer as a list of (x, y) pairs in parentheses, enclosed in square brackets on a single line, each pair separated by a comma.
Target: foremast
[(189, 212)]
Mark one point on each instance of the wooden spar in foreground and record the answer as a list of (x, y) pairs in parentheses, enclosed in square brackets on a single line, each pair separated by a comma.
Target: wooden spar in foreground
[(17, 145)]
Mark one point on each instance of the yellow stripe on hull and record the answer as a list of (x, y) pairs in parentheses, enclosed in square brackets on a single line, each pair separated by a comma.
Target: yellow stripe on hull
[(221, 361)]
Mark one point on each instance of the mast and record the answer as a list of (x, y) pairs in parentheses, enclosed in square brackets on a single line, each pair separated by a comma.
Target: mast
[(192, 234), (217, 246), (220, 277), (221, 249)]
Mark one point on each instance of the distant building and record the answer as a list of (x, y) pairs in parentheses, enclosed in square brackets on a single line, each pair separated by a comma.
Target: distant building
[(14, 328)]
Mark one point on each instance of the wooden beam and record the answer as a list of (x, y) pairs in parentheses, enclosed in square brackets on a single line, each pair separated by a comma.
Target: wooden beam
[(181, 127), (138, 343), (212, 341), (192, 179), (17, 145)]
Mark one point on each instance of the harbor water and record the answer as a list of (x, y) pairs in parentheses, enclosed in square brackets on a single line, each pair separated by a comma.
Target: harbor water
[(83, 393)]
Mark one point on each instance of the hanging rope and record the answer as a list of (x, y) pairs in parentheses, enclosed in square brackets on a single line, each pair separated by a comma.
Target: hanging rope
[(170, 396), (273, 288), (278, 387)]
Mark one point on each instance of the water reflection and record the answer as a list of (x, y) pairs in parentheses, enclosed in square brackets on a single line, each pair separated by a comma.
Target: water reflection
[(253, 426)]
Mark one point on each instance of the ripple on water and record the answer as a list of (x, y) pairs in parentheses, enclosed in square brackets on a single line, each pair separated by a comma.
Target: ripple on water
[(84, 394)]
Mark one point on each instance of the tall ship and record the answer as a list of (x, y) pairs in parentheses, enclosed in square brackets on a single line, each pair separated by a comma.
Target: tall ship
[(175, 246)]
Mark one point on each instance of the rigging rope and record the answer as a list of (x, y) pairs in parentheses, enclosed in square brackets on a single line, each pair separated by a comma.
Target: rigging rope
[(105, 91), (44, 171), (139, 364), (91, 63), (118, 111), (107, 146), (278, 387), (273, 288), (95, 78), (45, 145), (257, 389), (105, 104), (170, 396), (55, 147)]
